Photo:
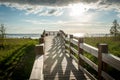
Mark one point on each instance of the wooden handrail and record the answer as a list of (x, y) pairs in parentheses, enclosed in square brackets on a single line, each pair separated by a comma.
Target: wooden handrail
[(101, 53), (63, 32), (37, 70), (48, 33)]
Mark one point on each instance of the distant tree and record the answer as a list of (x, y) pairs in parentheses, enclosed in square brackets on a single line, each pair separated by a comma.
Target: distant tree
[(2, 31), (2, 36), (115, 29)]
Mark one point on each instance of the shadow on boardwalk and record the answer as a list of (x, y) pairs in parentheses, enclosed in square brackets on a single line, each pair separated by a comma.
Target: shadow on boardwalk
[(57, 64)]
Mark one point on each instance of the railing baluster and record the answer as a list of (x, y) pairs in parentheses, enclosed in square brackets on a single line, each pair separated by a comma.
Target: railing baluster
[(103, 48)]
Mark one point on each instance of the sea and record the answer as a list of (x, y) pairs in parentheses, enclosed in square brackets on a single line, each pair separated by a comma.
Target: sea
[(37, 36), (32, 36), (92, 34)]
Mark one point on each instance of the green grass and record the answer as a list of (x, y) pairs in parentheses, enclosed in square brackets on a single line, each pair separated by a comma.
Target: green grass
[(16, 59), (113, 43), (23, 69)]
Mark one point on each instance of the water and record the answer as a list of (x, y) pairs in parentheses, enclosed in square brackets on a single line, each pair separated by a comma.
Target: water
[(37, 36), (32, 36), (91, 35)]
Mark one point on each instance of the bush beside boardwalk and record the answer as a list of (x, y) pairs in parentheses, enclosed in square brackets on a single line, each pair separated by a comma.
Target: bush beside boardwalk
[(16, 59)]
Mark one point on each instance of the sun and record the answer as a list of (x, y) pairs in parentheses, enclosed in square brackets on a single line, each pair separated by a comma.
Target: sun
[(77, 9)]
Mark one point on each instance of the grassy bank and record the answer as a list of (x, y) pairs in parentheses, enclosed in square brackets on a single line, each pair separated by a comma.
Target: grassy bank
[(16, 59)]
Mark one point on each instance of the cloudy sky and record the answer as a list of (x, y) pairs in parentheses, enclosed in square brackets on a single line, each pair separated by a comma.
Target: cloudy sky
[(72, 16)]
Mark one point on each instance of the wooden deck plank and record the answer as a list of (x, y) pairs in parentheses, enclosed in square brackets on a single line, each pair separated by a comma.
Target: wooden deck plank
[(37, 70), (57, 64)]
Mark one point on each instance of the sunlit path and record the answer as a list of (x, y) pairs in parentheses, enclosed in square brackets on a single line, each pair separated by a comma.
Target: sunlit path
[(57, 64)]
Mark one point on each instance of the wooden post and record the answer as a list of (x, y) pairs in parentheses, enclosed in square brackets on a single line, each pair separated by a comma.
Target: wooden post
[(41, 40), (58, 34), (39, 49), (44, 33), (102, 66), (65, 42), (49, 33), (53, 33), (80, 51), (71, 37)]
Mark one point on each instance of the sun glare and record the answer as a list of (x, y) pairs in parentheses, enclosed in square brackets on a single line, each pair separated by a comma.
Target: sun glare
[(77, 9)]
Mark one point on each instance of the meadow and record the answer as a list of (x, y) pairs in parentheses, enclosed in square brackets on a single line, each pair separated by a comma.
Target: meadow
[(16, 59)]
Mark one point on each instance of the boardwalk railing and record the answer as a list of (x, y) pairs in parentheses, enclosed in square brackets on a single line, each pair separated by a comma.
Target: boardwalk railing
[(48, 33), (101, 53), (75, 46)]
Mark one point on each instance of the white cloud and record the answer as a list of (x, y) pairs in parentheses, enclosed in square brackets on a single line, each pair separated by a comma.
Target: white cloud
[(55, 7), (51, 12), (86, 28), (33, 21), (65, 23), (36, 9), (47, 22)]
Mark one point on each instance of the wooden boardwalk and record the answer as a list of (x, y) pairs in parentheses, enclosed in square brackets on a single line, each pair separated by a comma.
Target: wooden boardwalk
[(57, 64), (56, 59)]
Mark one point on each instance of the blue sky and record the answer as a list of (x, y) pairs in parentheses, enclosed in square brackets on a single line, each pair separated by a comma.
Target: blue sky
[(95, 16)]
